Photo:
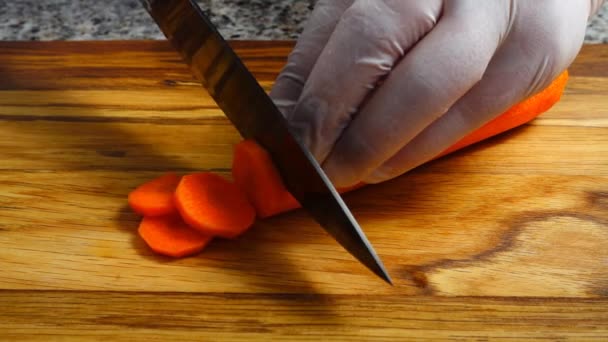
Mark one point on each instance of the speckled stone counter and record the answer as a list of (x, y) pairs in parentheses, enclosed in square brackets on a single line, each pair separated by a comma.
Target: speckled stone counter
[(126, 19)]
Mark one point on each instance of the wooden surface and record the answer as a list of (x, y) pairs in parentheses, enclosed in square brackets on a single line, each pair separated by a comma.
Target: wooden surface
[(507, 239)]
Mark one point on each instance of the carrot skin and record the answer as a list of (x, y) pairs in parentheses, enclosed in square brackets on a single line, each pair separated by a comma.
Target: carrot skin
[(517, 115)]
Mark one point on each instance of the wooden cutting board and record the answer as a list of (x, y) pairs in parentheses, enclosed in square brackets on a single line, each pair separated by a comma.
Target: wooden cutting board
[(507, 239)]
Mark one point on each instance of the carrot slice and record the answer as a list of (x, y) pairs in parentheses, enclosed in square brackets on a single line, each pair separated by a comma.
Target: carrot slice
[(170, 236), (213, 205), (254, 172), (155, 198)]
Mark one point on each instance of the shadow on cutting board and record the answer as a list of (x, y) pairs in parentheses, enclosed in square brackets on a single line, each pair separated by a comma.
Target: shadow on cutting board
[(253, 258), (60, 132)]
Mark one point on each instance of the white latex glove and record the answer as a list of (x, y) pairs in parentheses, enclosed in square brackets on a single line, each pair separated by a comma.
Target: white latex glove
[(377, 87)]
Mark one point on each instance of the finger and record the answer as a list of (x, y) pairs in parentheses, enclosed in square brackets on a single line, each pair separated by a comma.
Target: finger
[(369, 39), (291, 80), (490, 97), (438, 71), (520, 69)]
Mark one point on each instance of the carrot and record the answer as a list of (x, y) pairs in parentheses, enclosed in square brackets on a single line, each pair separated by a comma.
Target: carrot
[(254, 172), (155, 198), (170, 236), (517, 115), (210, 205), (213, 205)]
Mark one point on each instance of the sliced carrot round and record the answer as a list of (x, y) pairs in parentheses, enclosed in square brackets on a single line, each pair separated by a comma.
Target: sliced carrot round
[(213, 205), (255, 173), (170, 236), (155, 198)]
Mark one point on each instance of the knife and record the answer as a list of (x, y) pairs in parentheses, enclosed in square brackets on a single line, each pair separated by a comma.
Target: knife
[(255, 116)]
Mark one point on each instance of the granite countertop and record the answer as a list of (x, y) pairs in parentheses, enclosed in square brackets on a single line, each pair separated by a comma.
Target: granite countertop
[(126, 19)]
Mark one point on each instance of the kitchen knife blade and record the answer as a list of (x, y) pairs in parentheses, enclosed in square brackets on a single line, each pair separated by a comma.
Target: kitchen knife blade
[(254, 114)]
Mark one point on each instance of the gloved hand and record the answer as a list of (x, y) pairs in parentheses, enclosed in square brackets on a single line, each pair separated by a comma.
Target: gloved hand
[(377, 87)]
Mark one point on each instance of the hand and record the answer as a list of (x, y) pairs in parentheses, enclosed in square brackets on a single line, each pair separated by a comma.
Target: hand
[(377, 87)]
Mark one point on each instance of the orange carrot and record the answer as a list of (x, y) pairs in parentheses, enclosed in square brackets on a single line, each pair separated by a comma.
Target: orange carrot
[(254, 172), (213, 205), (517, 115), (170, 236), (210, 205), (155, 198)]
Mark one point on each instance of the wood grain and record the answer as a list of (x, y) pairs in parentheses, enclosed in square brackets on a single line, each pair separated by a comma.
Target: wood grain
[(506, 239), (236, 317), (84, 238)]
